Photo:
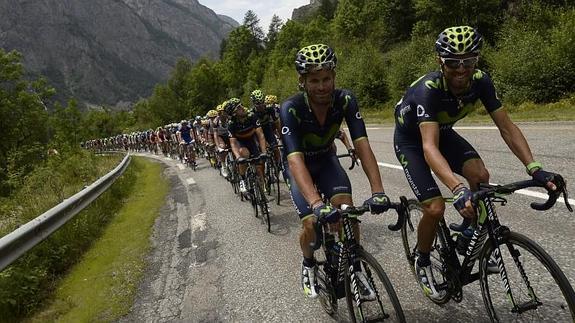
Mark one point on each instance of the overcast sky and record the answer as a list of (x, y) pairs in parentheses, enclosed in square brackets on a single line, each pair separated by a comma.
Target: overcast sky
[(263, 9)]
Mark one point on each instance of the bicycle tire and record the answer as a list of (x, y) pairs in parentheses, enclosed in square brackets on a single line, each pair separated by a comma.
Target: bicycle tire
[(385, 306), (326, 291), (556, 295), (263, 205), (408, 229), (409, 238)]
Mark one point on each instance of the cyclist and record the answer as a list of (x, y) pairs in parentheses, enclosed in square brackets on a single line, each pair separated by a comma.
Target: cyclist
[(271, 102), (425, 141), (221, 137), (210, 136), (246, 137), (185, 138), (310, 121), (267, 120)]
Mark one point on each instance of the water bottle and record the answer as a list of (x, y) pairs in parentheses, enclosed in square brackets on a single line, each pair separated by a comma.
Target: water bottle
[(463, 240)]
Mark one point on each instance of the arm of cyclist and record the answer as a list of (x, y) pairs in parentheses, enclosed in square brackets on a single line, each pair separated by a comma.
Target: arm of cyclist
[(517, 143), (235, 147), (439, 165), (261, 140), (379, 202)]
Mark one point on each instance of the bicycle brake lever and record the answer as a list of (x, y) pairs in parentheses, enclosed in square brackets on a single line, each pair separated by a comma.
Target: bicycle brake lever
[(566, 197)]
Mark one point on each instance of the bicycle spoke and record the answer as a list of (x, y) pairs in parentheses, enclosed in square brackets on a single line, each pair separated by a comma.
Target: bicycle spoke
[(532, 288)]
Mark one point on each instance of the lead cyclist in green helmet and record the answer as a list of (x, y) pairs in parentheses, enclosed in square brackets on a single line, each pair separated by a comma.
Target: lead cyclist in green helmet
[(425, 141)]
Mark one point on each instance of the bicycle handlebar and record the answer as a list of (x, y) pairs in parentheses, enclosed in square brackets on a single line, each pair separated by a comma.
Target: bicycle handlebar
[(353, 159), (487, 190)]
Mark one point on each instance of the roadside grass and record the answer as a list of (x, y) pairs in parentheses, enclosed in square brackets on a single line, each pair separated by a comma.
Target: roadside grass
[(563, 110), (102, 286)]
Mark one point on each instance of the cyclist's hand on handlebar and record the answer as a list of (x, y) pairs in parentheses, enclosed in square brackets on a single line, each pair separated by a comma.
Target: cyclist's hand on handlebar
[(462, 201), (326, 213), (546, 178), (378, 203)]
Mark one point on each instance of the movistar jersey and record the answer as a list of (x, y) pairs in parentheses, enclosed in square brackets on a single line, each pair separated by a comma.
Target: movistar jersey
[(242, 129), (302, 133), (266, 116), (429, 100)]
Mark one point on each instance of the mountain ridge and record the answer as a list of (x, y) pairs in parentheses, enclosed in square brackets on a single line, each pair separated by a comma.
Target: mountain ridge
[(110, 51)]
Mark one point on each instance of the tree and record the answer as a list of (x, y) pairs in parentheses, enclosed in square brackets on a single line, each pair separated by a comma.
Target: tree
[(433, 16), (23, 126), (273, 31), (327, 8), (206, 87), (251, 22)]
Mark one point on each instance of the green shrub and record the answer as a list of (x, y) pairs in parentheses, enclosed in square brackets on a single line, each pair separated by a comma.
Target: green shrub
[(28, 281), (361, 68), (535, 62), (407, 62)]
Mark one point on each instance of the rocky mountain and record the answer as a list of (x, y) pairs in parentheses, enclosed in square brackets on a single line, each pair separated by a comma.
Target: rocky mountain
[(305, 12), (108, 51)]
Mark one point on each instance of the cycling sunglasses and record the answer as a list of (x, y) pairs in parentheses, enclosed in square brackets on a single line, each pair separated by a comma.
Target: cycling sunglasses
[(455, 62)]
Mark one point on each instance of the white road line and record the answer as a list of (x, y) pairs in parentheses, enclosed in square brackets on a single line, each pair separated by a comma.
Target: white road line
[(475, 128), (191, 181), (523, 191)]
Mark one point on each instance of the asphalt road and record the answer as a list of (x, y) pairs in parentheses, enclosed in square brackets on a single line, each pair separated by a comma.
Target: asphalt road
[(212, 260)]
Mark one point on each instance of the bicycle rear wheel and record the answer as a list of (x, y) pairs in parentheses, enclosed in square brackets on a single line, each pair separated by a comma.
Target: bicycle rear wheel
[(538, 287), (261, 200), (385, 306)]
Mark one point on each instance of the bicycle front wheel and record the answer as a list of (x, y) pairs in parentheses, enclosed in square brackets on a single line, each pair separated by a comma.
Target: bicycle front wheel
[(380, 305), (409, 229), (530, 286)]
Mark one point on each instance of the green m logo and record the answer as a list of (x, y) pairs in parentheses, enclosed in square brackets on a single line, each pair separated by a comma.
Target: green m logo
[(403, 160)]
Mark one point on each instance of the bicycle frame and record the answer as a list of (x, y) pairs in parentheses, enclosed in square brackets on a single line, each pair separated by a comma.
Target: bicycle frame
[(460, 272)]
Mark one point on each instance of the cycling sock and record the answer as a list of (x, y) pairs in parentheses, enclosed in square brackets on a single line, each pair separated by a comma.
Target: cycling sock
[(308, 262), (423, 259)]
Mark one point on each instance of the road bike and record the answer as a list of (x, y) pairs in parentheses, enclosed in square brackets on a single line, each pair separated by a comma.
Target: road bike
[(272, 171), (519, 280), (255, 188), (337, 276)]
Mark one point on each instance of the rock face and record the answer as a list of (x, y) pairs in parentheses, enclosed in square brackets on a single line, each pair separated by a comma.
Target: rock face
[(107, 51), (304, 12)]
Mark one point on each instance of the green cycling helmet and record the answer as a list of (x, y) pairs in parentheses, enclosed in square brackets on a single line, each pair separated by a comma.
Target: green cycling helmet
[(315, 57), (257, 97), (458, 40), (231, 105)]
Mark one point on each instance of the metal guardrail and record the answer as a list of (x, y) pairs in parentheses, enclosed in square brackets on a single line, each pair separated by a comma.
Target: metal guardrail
[(18, 242)]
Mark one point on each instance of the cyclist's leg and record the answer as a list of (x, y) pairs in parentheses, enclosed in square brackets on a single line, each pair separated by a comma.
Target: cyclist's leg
[(418, 174), (306, 238), (334, 182), (410, 155)]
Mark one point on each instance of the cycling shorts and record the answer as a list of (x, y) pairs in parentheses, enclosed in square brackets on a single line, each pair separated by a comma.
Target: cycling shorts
[(409, 153), (252, 145), (329, 178)]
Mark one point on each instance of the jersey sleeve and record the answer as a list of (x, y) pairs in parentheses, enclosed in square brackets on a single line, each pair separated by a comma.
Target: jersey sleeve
[(352, 117), (291, 137), (424, 103), (488, 94)]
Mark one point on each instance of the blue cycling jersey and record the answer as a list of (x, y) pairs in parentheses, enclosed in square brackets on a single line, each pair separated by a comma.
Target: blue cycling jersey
[(428, 99), (301, 131), (185, 133)]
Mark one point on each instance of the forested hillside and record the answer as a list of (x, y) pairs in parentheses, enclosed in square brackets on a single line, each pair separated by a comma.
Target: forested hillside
[(382, 46)]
